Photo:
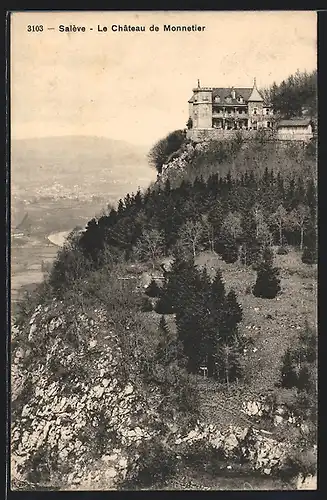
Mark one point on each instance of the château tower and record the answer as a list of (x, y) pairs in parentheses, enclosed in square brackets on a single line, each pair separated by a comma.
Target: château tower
[(202, 110), (213, 110), (255, 107)]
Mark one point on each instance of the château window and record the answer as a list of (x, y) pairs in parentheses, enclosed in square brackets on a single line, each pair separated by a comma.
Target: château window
[(228, 99), (267, 111), (217, 98), (255, 110), (240, 99)]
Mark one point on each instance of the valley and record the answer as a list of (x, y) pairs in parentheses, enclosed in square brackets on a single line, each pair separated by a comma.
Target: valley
[(59, 183)]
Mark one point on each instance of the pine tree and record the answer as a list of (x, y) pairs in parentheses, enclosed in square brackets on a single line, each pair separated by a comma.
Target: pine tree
[(280, 187), (192, 316), (251, 247), (180, 287), (299, 362), (227, 347), (218, 292), (268, 283), (229, 319), (228, 248), (168, 349), (233, 311), (228, 363), (309, 255), (121, 207), (213, 185), (215, 306), (153, 290), (311, 195), (167, 187)]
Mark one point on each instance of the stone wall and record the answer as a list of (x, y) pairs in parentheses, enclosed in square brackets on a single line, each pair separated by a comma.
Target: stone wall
[(198, 135), (202, 134)]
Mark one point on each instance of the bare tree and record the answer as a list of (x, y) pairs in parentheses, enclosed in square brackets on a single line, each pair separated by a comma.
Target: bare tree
[(208, 232), (298, 218), (150, 245), (191, 233), (232, 224), (262, 229), (259, 219), (279, 219)]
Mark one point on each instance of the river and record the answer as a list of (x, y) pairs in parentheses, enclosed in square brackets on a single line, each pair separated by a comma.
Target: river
[(58, 239)]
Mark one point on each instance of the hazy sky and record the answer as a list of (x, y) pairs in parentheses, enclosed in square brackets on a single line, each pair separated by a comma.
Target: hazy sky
[(135, 86)]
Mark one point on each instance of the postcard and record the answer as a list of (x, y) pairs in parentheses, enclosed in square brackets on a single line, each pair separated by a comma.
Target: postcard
[(163, 242)]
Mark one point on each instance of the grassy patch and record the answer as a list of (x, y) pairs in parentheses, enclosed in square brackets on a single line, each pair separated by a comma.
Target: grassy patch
[(273, 324)]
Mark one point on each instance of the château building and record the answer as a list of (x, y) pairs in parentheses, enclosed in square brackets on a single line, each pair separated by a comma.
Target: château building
[(219, 108)]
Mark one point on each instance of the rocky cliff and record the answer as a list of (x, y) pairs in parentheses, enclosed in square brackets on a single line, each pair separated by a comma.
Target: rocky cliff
[(75, 415), (79, 420)]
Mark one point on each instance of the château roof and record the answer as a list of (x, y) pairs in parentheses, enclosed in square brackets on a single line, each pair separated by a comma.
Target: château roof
[(224, 92), (295, 122), (248, 93), (255, 96)]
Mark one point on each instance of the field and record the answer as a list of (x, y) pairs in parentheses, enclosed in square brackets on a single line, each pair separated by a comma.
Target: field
[(272, 323)]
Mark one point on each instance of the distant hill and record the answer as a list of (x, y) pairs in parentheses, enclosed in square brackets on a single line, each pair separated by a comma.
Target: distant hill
[(78, 167)]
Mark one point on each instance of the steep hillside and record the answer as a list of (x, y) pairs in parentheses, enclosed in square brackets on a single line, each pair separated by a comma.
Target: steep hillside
[(175, 336), (237, 156)]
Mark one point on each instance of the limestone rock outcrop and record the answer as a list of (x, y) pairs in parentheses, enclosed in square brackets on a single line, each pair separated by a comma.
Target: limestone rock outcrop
[(257, 448), (78, 418), (75, 414)]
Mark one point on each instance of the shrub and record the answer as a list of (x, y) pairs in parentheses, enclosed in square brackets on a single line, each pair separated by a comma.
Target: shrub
[(161, 151), (156, 463), (153, 290), (202, 456), (301, 462), (164, 305), (309, 256), (282, 250), (267, 285), (229, 250), (146, 305)]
